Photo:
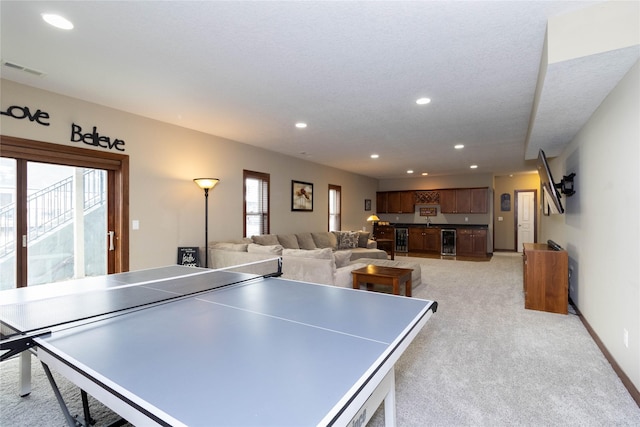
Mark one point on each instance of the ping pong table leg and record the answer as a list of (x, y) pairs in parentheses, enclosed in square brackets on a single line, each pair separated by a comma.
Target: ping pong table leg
[(71, 421), (25, 373), (390, 403)]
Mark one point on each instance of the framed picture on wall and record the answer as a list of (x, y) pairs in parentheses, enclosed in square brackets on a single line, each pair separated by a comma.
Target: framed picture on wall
[(301, 196), (367, 204), (505, 202)]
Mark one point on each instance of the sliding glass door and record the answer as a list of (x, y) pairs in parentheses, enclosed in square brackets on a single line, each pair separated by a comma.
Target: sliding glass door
[(60, 221), (66, 223)]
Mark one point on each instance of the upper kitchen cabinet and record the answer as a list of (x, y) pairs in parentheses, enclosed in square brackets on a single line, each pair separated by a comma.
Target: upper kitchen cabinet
[(381, 202), (464, 200), (396, 201), (479, 200)]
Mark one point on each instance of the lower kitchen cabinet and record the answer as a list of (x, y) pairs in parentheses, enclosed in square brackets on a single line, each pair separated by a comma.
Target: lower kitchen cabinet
[(471, 242), (424, 239)]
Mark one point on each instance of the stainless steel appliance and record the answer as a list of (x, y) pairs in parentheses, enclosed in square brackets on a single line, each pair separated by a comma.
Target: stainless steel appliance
[(448, 239), (402, 240)]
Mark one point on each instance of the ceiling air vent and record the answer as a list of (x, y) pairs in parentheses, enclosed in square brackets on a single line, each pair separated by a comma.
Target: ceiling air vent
[(22, 68)]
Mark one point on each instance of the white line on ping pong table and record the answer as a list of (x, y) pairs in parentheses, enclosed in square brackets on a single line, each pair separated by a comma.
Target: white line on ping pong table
[(301, 323)]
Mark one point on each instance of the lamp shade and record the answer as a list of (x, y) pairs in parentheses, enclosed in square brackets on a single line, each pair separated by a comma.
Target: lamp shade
[(206, 183), (373, 218)]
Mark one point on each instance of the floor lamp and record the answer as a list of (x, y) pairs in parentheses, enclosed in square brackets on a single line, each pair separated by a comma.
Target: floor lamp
[(206, 184)]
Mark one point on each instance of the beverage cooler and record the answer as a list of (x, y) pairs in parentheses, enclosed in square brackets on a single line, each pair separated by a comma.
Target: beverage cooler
[(402, 240), (448, 239)]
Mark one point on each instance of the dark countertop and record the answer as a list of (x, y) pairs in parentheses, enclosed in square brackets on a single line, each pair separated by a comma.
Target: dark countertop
[(406, 225)]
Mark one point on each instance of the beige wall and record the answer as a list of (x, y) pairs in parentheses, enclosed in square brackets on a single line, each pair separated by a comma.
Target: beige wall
[(505, 230), (601, 225), (165, 158)]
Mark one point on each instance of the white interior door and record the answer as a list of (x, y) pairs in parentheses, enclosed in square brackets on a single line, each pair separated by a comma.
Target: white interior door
[(526, 218)]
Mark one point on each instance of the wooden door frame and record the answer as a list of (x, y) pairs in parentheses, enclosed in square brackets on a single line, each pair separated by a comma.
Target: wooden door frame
[(117, 167), (515, 216)]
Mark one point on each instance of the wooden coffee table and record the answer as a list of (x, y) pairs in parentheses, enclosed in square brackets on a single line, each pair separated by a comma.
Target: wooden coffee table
[(391, 276)]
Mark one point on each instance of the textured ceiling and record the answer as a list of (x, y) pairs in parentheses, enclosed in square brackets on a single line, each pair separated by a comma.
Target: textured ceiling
[(247, 71)]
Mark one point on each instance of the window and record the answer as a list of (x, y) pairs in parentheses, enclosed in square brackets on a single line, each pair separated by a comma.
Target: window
[(334, 207), (256, 203)]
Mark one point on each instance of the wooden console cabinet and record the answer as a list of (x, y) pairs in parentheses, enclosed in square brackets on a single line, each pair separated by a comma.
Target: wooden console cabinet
[(545, 278), (384, 232)]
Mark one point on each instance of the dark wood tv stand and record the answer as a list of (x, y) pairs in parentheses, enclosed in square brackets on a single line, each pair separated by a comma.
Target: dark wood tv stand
[(545, 278)]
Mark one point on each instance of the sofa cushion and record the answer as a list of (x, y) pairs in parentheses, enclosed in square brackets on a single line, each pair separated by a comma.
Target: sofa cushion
[(342, 258), (325, 253), (265, 239), (233, 247), (325, 239), (264, 249), (363, 238), (222, 258), (305, 241), (313, 270), (357, 253), (348, 240), (288, 241)]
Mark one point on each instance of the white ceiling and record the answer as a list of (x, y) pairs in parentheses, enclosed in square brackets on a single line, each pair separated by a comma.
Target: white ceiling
[(247, 71)]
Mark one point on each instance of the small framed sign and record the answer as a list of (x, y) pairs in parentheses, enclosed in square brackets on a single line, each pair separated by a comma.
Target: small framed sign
[(433, 211), (505, 202), (188, 256)]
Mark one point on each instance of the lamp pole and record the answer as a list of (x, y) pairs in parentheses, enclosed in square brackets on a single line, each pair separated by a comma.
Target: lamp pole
[(206, 184), (206, 227)]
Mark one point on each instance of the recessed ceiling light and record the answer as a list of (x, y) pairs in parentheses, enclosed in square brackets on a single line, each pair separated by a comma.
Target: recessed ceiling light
[(474, 166), (57, 21), (409, 171), (425, 173), (458, 146), (423, 101), (301, 125), (375, 156)]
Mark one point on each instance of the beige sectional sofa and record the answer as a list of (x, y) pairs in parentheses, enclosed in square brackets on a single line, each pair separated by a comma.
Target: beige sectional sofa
[(321, 257)]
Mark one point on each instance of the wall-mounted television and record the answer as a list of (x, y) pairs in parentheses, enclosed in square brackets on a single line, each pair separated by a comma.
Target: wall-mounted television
[(549, 188)]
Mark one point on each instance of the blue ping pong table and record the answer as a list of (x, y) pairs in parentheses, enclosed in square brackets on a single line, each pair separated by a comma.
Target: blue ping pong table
[(195, 347)]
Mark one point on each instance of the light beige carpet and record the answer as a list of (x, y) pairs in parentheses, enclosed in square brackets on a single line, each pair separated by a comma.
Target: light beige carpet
[(483, 360)]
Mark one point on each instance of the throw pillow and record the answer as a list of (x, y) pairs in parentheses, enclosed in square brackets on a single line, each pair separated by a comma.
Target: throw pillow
[(265, 249), (348, 240), (265, 239), (342, 258), (325, 240), (288, 241), (363, 238), (305, 241)]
